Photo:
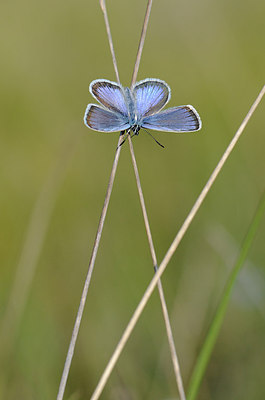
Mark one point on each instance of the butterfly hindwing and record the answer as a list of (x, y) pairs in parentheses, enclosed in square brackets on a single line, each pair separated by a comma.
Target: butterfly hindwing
[(176, 119), (103, 120)]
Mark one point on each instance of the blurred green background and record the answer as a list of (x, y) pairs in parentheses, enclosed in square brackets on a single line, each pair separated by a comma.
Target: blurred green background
[(211, 53)]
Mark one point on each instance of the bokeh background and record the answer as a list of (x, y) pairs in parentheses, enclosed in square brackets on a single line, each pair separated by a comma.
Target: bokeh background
[(55, 171)]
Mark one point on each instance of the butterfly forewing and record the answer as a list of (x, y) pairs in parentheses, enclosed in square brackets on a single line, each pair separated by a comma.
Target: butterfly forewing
[(151, 95), (176, 119), (103, 120), (109, 94)]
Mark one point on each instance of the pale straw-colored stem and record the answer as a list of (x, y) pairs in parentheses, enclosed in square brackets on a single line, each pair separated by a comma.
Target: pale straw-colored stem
[(148, 231), (141, 42), (139, 309), (75, 332), (172, 348), (71, 348), (147, 226), (106, 19)]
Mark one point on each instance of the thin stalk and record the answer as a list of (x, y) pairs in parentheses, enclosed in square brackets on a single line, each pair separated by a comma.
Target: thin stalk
[(76, 328), (172, 348), (71, 348), (161, 293), (106, 19), (139, 309), (147, 226), (141, 42)]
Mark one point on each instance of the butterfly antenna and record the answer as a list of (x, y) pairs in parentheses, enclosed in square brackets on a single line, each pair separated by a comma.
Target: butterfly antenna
[(153, 137)]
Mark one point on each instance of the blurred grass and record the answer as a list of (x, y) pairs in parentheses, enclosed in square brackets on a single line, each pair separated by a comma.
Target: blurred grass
[(210, 54), (218, 319)]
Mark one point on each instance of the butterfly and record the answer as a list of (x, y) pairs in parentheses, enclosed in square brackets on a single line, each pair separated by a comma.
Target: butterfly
[(130, 109)]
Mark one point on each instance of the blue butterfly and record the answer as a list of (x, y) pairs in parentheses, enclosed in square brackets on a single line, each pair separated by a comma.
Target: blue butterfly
[(125, 109)]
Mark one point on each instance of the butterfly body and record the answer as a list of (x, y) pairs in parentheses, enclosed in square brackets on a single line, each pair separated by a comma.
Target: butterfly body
[(131, 115), (130, 109)]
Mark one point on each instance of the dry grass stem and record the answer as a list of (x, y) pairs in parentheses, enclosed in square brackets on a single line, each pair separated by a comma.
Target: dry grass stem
[(71, 348), (104, 10), (141, 43), (148, 231), (159, 284), (139, 309)]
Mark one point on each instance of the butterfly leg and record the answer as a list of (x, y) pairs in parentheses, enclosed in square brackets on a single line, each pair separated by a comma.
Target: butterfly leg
[(136, 129), (124, 140)]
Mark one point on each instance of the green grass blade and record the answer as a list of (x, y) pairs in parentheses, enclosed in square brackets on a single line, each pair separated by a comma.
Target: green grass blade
[(211, 337)]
